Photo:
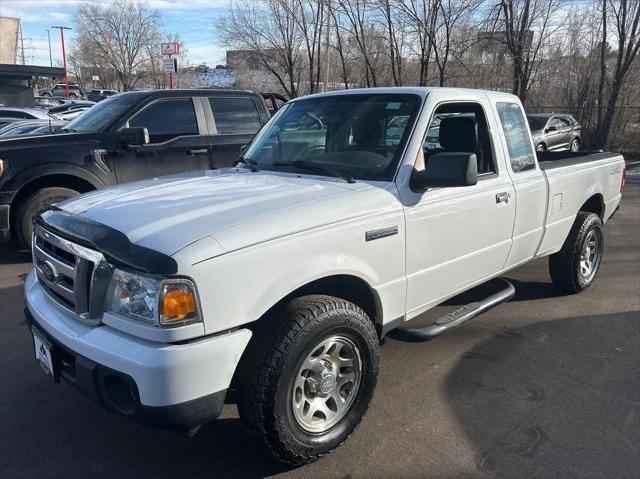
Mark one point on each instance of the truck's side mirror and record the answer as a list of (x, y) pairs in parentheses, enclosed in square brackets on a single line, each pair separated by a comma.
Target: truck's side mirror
[(551, 128), (134, 136), (447, 170)]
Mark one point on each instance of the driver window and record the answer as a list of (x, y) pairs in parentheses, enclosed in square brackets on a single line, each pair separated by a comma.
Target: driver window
[(167, 119), (460, 128)]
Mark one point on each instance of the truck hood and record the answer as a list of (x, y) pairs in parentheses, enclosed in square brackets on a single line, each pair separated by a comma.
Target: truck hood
[(48, 140), (236, 207)]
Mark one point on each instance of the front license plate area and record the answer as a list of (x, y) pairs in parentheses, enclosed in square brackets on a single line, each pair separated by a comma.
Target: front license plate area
[(44, 352)]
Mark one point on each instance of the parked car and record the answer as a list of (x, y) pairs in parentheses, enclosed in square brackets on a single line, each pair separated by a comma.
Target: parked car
[(24, 127), (280, 279), (11, 114), (126, 137), (71, 113), (66, 105), (59, 90), (46, 101), (552, 131), (99, 95)]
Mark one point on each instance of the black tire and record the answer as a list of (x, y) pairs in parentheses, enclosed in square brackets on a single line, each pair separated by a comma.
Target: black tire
[(565, 265), (46, 93), (541, 147), (31, 205), (266, 376)]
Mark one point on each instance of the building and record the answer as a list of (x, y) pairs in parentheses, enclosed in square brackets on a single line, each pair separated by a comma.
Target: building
[(16, 81)]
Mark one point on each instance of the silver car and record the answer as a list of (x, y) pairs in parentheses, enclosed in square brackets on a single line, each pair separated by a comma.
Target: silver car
[(553, 131)]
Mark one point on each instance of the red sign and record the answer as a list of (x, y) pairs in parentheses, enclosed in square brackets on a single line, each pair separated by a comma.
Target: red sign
[(172, 48)]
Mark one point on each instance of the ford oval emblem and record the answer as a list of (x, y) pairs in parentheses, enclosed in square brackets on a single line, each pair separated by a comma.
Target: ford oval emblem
[(49, 271)]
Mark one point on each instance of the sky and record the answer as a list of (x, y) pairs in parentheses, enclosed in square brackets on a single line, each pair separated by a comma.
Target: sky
[(192, 19)]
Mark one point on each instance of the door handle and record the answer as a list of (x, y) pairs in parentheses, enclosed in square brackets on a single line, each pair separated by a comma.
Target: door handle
[(502, 197), (198, 151)]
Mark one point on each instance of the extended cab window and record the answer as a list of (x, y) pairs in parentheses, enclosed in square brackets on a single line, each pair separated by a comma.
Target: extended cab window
[(167, 119), (235, 115), (460, 128), (517, 136)]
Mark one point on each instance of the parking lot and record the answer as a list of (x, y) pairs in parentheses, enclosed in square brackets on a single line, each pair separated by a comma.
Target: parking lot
[(547, 385)]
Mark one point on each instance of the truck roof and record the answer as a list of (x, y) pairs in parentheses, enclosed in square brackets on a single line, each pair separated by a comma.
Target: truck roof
[(422, 91), (191, 91)]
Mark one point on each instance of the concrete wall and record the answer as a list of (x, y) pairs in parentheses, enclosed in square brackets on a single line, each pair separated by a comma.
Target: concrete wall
[(9, 28)]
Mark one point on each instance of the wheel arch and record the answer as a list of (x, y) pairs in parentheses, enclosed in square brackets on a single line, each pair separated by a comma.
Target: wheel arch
[(349, 287), (65, 180), (595, 204)]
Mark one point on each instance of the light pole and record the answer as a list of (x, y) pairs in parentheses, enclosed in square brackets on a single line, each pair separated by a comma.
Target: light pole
[(49, 38), (64, 60)]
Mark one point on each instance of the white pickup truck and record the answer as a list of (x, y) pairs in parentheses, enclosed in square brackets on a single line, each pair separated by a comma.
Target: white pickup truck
[(350, 214)]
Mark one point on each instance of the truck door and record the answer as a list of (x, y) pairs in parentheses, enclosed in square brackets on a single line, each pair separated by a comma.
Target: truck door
[(528, 182), (457, 236), (178, 141), (236, 121)]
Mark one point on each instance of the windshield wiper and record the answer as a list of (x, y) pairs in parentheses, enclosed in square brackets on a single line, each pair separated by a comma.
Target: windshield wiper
[(307, 165), (251, 164), (70, 130)]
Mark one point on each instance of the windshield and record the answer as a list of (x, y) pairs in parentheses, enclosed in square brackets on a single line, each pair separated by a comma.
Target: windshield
[(354, 136), (536, 122), (100, 115)]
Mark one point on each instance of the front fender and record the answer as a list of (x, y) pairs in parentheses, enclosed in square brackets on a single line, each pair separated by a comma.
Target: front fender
[(240, 287)]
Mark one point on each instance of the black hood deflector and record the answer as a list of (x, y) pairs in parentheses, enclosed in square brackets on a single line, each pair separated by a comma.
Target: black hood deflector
[(113, 244)]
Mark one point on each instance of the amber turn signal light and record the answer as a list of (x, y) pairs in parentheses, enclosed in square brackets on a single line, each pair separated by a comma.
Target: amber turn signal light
[(177, 304)]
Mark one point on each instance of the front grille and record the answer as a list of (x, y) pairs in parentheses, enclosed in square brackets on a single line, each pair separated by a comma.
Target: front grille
[(73, 276)]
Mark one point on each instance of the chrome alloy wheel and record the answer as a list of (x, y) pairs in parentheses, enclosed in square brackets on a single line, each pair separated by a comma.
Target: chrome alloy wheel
[(326, 384), (575, 145), (590, 254)]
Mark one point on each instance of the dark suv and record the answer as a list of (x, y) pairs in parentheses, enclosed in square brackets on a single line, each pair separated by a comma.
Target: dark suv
[(126, 137), (553, 131), (60, 91), (97, 94)]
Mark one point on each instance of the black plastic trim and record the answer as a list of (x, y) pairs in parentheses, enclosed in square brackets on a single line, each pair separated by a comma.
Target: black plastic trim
[(88, 377), (113, 244), (549, 160), (4, 223)]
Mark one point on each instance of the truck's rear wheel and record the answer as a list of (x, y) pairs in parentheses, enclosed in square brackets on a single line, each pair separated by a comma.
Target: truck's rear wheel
[(575, 266), (31, 205), (308, 379)]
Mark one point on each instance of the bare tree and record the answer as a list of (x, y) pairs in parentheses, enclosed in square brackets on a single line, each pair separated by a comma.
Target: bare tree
[(357, 12), (118, 35), (626, 19), (268, 31), (422, 16), (525, 25), (310, 16)]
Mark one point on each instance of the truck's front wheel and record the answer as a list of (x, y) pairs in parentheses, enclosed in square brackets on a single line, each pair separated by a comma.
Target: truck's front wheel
[(309, 377), (575, 266), (31, 205)]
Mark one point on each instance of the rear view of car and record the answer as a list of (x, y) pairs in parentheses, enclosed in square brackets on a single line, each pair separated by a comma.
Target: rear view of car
[(99, 95)]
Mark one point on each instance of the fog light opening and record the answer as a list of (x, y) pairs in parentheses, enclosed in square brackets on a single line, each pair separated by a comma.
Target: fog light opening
[(119, 394)]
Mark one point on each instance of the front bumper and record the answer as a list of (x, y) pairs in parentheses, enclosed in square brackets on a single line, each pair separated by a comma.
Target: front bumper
[(159, 384)]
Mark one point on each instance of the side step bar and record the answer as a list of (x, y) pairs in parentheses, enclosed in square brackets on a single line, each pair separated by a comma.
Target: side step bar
[(455, 318)]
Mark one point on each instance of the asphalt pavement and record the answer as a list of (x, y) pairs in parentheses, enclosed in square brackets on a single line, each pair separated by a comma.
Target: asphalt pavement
[(547, 385)]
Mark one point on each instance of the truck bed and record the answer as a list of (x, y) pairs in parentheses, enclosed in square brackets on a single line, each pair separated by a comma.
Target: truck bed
[(573, 178)]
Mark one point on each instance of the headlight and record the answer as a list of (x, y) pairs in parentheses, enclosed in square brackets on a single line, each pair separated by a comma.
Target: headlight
[(162, 302)]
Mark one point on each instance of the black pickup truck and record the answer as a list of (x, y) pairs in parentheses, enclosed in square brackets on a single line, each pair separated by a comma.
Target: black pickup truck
[(127, 137)]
